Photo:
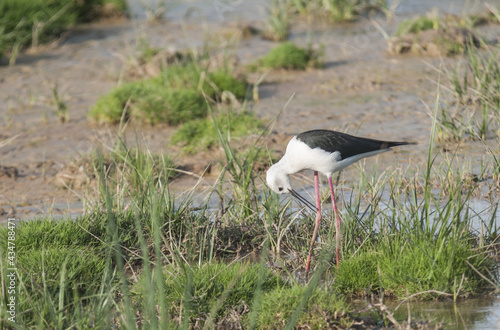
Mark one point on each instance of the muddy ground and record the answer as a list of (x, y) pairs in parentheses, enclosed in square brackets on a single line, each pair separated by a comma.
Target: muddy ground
[(361, 89)]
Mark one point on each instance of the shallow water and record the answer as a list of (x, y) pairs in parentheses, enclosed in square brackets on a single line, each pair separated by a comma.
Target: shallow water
[(472, 313)]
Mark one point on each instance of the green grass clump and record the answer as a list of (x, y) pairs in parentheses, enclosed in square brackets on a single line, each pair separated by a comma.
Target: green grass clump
[(417, 24), (129, 167), (406, 265), (42, 267), (365, 280), (480, 81), (198, 289), (176, 96), (476, 84), (341, 10), (190, 76), (224, 81), (201, 134), (56, 261), (278, 23), (287, 56), (323, 309), (336, 10), (433, 265), (83, 232), (149, 102), (25, 22), (51, 280), (449, 35)]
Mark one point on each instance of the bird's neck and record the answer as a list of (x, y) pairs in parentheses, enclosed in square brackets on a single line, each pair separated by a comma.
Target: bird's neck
[(283, 164)]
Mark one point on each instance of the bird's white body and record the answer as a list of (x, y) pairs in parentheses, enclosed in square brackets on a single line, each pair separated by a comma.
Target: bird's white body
[(299, 157)]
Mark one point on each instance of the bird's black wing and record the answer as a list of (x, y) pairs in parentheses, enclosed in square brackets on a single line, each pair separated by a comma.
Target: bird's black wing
[(347, 145)]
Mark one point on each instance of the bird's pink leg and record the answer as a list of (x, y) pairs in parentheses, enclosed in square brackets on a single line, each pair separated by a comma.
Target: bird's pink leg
[(337, 221), (318, 220)]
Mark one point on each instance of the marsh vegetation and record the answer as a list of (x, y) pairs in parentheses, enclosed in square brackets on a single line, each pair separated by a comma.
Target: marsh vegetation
[(227, 252)]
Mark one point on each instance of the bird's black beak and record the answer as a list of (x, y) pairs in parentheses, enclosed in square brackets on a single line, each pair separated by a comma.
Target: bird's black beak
[(303, 200)]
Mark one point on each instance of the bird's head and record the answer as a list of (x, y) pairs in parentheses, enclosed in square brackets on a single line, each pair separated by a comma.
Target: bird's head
[(278, 180)]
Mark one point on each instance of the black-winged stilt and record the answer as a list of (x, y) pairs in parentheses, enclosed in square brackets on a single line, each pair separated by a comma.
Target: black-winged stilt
[(326, 152)]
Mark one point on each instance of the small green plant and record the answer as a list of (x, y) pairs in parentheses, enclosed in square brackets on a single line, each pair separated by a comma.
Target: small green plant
[(484, 79), (420, 23), (336, 10), (155, 10), (455, 126), (278, 24), (288, 56), (61, 107), (340, 10), (477, 86), (132, 168), (146, 51)]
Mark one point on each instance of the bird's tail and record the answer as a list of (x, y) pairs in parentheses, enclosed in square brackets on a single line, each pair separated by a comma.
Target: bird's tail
[(389, 144)]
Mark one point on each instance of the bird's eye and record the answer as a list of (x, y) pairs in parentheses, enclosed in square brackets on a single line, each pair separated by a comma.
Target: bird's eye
[(280, 188)]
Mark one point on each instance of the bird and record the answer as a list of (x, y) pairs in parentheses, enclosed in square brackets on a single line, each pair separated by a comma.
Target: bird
[(326, 152)]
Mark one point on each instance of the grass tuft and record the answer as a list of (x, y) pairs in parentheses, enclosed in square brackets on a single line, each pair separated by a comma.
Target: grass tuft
[(323, 309), (205, 285), (288, 56), (25, 22), (336, 10), (201, 134)]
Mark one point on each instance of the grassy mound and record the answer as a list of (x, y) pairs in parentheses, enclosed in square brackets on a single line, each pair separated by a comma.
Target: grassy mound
[(176, 96), (149, 102), (288, 56)]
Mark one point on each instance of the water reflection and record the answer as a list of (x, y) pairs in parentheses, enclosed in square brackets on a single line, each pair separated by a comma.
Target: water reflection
[(473, 313)]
